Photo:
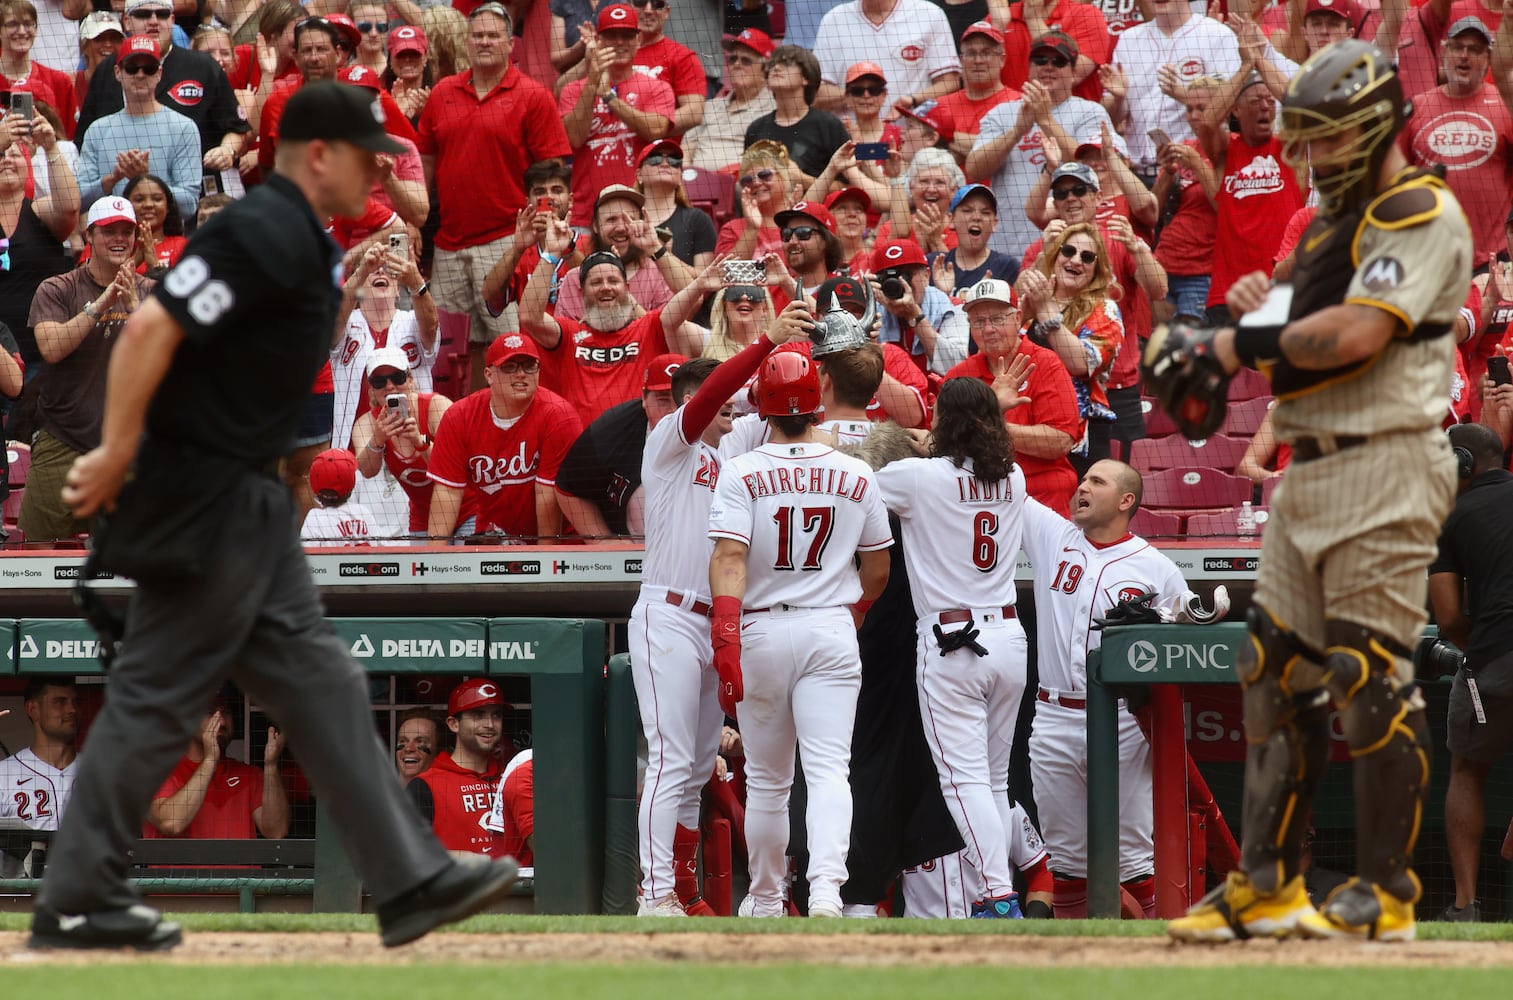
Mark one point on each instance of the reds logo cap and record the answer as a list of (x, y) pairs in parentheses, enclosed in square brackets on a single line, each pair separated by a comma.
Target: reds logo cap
[(333, 472), (1342, 8), (806, 209), (388, 357), (140, 49), (984, 28), (364, 76), (110, 209), (898, 253), (410, 38), (757, 41), (617, 17), (660, 370), (476, 693), (510, 345)]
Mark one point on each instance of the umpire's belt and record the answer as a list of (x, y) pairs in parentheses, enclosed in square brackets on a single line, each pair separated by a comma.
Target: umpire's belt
[(1309, 448), (688, 603), (954, 617), (1060, 699)]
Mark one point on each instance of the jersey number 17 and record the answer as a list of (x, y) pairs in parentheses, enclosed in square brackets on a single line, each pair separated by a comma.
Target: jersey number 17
[(816, 522)]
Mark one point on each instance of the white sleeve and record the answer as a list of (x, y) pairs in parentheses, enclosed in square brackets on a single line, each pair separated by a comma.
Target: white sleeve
[(896, 484), (951, 341), (940, 45), (730, 511), (876, 534), (493, 820), (830, 49), (1172, 590), (1042, 529)]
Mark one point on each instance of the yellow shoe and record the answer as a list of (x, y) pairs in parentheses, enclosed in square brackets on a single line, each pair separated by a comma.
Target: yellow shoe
[(1360, 910), (1236, 910)]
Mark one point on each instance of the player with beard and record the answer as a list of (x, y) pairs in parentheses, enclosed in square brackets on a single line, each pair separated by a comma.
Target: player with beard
[(620, 227), (35, 781), (455, 792)]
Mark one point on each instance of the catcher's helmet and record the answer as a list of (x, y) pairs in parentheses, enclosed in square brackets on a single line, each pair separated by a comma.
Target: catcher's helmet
[(1348, 91), (789, 385)]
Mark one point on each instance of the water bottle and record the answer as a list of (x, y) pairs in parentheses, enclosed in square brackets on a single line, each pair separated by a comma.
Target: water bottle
[(1245, 520)]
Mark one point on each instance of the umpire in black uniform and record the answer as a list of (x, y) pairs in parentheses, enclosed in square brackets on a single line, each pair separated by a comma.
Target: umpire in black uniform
[(203, 396), (1475, 558)]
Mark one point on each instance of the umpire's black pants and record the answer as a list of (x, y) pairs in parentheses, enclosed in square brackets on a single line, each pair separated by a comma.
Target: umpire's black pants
[(257, 619)]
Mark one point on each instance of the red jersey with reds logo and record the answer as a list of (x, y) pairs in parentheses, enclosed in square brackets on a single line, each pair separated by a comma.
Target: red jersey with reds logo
[(235, 791), (1472, 138), (1256, 199), (608, 156), (513, 812), (460, 799), (497, 463), (595, 369), (1053, 403)]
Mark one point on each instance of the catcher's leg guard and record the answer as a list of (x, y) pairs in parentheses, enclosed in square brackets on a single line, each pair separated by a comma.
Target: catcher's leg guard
[(1384, 724), (1288, 733)]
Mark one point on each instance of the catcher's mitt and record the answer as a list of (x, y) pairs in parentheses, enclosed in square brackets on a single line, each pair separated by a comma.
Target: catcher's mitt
[(1135, 610), (1186, 379)]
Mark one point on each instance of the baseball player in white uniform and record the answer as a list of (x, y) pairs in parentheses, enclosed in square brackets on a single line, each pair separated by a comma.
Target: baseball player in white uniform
[(947, 888), (1083, 568), (961, 512), (36, 781), (787, 520), (670, 652)]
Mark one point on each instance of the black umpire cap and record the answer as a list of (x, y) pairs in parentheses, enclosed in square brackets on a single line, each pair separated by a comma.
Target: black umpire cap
[(337, 112)]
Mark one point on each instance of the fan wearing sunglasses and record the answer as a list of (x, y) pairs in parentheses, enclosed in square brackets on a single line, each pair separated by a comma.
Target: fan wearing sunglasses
[(1070, 297), (395, 442), (765, 188), (659, 176), (671, 61), (720, 140)]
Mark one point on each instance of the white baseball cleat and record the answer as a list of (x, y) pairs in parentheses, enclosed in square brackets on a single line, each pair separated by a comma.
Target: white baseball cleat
[(667, 906), (826, 908), (860, 911)]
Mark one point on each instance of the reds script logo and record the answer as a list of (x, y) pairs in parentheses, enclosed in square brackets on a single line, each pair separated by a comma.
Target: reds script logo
[(492, 474), (187, 93), (1460, 140), (606, 357)]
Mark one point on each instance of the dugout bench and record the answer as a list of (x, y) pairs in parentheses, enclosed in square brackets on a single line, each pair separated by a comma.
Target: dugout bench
[(564, 660)]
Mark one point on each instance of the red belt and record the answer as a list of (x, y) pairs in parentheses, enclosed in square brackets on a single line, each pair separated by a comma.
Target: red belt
[(697, 607), (953, 617), (1062, 700)]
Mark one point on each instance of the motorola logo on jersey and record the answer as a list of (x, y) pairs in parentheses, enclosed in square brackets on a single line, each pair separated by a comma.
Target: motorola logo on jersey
[(510, 567), (1142, 657), (368, 569), (186, 93)]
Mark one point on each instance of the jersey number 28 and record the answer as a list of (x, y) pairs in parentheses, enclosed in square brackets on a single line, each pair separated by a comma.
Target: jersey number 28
[(813, 521)]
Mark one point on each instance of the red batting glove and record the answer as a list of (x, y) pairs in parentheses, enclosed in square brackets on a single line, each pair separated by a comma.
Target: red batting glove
[(725, 634)]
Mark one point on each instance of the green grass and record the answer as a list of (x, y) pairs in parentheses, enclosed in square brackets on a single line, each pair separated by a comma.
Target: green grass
[(661, 982), (356, 923)]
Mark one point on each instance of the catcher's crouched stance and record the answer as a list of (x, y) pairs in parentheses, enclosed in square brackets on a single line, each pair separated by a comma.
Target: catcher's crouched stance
[(1360, 359)]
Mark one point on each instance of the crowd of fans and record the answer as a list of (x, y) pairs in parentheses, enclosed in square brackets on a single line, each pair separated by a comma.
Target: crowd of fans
[(592, 192)]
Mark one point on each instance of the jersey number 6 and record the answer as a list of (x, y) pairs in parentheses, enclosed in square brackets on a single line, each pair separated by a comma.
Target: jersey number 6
[(984, 545), (815, 521)]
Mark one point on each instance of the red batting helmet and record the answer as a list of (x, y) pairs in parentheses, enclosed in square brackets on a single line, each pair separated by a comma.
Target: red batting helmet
[(789, 385), (480, 692)]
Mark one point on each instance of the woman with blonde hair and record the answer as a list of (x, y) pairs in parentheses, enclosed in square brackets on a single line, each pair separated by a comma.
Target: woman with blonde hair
[(738, 313), (766, 188), (1070, 298), (446, 32)]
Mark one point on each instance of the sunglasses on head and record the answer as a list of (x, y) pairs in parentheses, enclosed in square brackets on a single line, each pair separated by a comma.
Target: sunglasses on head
[(393, 378), (763, 176), (802, 232), (867, 90), (663, 160), (1071, 191), (382, 27), (139, 69), (1088, 257), (745, 293), (1060, 62)]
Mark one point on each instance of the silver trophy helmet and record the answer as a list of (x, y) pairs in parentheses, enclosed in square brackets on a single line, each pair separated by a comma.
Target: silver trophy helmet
[(846, 312)]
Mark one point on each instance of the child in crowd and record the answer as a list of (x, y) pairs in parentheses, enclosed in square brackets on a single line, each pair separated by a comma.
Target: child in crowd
[(334, 521)]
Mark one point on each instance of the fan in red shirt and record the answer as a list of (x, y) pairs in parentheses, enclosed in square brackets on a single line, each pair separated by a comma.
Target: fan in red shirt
[(20, 73), (1086, 25), (982, 86), (661, 58), (1040, 403), (210, 797), (455, 792), (497, 451)]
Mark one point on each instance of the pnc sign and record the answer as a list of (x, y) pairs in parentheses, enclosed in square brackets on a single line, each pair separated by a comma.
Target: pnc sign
[(1167, 654)]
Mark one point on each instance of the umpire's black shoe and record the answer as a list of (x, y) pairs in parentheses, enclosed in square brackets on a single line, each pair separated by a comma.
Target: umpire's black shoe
[(137, 927), (468, 886)]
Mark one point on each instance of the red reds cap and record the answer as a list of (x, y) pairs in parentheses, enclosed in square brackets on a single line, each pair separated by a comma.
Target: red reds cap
[(1059, 42), (510, 345), (898, 253), (861, 69), (346, 28), (334, 471), (665, 146), (408, 38), (849, 192), (757, 41), (139, 48), (1343, 8), (983, 28), (932, 116), (617, 17), (807, 209), (110, 209), (480, 692), (361, 76), (659, 372)]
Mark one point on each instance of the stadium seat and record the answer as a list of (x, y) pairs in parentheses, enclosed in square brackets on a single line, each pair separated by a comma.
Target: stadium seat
[(1175, 451), (19, 457), (1154, 524), (12, 506), (1222, 523), (711, 191), (1268, 487), (1248, 384), (1157, 423), (1244, 418), (1195, 489), (777, 17)]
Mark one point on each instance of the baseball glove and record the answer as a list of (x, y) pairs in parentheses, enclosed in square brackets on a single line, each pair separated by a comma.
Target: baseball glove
[(1132, 611), (1183, 375)]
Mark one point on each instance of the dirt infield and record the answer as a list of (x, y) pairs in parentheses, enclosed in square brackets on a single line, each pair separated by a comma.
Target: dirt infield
[(206, 948)]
